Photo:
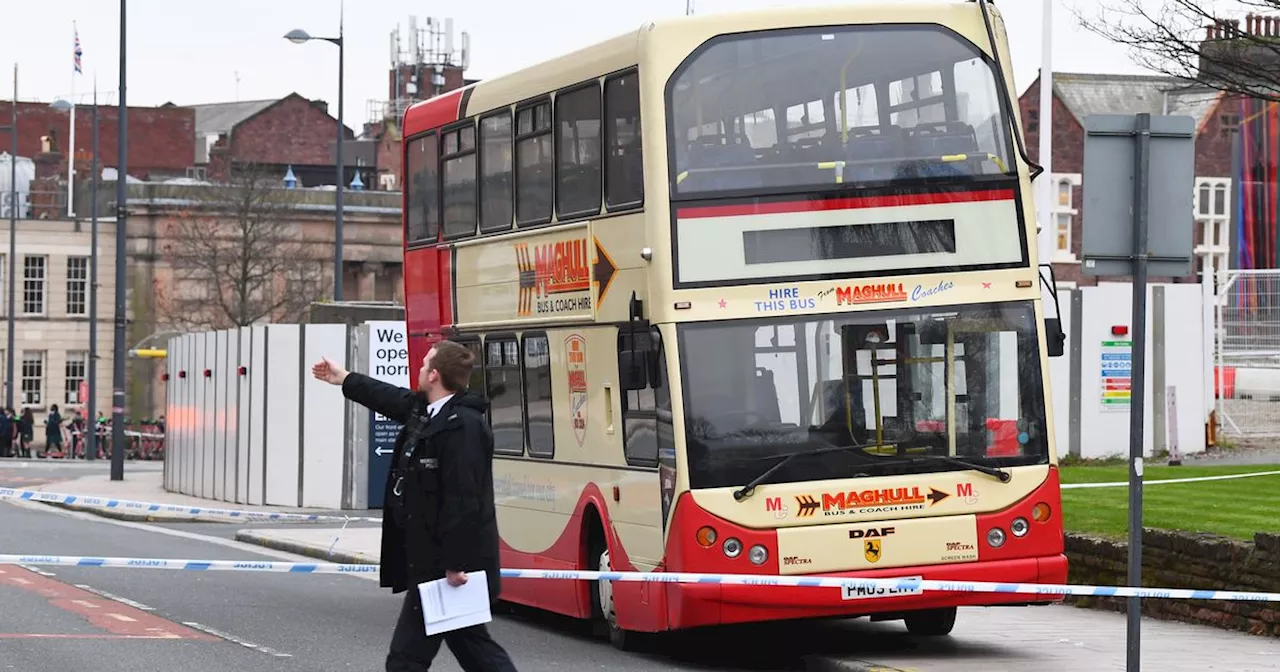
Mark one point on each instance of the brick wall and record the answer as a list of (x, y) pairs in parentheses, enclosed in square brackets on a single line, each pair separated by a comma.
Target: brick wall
[(293, 131), (1184, 560), (162, 140)]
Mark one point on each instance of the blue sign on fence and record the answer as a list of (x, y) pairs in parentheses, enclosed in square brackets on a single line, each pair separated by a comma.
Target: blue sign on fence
[(388, 362)]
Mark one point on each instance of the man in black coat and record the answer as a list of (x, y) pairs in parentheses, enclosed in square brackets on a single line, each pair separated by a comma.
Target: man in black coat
[(439, 519)]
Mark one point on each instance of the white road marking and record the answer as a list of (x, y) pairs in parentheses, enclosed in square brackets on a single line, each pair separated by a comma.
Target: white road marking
[(236, 640), (122, 617), (37, 570), (19, 579), (85, 603), (122, 600)]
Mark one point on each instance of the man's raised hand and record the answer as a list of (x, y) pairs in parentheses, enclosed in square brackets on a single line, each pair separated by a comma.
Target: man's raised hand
[(329, 372)]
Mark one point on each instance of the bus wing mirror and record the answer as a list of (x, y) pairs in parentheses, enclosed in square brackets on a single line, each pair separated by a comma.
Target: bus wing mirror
[(633, 369), (1054, 336)]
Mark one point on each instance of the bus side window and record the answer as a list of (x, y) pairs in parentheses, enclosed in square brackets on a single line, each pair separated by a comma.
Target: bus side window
[(539, 428), (504, 385), (459, 170), (422, 182), (535, 167), (641, 408), (624, 168), (578, 151), (495, 172)]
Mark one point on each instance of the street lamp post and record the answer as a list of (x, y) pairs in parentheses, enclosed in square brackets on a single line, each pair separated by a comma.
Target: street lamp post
[(298, 36), (91, 410), (122, 188)]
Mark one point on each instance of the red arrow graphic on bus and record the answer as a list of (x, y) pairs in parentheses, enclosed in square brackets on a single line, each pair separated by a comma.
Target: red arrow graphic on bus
[(603, 270)]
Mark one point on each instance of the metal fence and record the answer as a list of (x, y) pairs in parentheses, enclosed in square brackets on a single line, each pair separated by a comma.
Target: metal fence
[(1247, 352)]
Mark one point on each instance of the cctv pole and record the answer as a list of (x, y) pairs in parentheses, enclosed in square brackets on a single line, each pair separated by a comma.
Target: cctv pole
[(117, 375), (13, 237)]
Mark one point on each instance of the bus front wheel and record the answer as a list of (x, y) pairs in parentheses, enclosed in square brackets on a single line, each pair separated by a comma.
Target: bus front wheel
[(931, 622), (623, 640)]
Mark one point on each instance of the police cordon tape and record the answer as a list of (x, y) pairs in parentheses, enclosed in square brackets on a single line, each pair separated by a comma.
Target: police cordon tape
[(1197, 479), (196, 511), (260, 516), (662, 577)]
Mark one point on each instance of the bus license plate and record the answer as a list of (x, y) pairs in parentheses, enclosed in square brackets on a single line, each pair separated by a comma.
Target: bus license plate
[(867, 592)]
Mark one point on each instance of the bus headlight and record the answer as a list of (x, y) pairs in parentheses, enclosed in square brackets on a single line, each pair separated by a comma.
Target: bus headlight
[(758, 555), (732, 547), (995, 537), (1019, 527)]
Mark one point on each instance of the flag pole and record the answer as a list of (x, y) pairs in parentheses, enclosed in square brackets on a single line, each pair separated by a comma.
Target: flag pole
[(71, 139)]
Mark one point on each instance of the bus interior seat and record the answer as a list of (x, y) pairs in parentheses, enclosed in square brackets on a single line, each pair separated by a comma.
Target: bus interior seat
[(766, 396), (711, 152), (837, 421), (801, 158), (932, 141), (872, 143)]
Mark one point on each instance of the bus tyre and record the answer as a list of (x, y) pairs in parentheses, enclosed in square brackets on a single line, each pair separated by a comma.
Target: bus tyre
[(931, 622), (623, 640)]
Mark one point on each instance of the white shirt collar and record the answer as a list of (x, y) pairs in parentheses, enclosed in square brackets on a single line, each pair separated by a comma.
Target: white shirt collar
[(435, 407)]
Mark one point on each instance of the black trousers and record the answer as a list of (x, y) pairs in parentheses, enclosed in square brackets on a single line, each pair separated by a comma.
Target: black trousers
[(412, 650)]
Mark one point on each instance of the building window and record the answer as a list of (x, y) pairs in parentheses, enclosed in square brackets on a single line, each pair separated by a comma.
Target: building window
[(32, 380), (537, 386), (624, 174), (33, 277), (1063, 215), (495, 173), (77, 285), (1228, 123), (77, 370), (459, 160), (503, 384), (535, 165), (422, 221), (578, 141), (1212, 205)]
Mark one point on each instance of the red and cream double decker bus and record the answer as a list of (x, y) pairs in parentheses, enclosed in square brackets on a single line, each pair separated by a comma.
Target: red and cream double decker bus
[(752, 294)]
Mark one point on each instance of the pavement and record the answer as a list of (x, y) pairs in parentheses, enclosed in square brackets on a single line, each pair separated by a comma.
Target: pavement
[(58, 618)]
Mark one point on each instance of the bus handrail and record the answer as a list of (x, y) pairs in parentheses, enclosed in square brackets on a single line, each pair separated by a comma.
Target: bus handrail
[(839, 165)]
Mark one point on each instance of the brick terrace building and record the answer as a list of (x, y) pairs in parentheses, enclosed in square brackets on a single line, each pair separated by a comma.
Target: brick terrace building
[(161, 145), (276, 136), (1077, 96)]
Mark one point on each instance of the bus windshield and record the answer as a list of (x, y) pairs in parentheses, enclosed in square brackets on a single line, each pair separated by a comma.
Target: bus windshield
[(849, 105), (897, 387)]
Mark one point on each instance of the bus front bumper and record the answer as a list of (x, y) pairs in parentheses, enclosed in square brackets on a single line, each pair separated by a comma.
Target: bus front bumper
[(694, 605)]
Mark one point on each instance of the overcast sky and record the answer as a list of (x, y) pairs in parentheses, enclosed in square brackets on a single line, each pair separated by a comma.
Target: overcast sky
[(190, 53)]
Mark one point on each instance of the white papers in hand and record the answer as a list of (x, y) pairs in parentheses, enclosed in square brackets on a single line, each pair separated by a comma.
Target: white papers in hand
[(446, 608)]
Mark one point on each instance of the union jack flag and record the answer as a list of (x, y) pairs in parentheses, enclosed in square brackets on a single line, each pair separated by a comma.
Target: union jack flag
[(79, 53)]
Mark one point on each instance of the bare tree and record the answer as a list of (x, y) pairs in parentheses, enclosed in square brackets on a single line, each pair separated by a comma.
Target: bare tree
[(238, 259), (1194, 41)]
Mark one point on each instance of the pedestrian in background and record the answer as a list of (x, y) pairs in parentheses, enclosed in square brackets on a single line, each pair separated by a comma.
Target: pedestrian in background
[(53, 432), (440, 519), (26, 432), (7, 433)]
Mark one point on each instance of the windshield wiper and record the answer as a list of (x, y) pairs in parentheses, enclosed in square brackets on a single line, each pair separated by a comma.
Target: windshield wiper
[(746, 490), (1002, 475)]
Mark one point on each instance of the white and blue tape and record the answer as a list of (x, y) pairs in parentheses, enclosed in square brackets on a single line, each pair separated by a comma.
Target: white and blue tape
[(663, 577), (261, 516), (194, 511)]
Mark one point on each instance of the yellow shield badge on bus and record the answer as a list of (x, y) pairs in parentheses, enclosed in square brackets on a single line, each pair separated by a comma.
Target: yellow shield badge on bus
[(575, 349), (871, 549)]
